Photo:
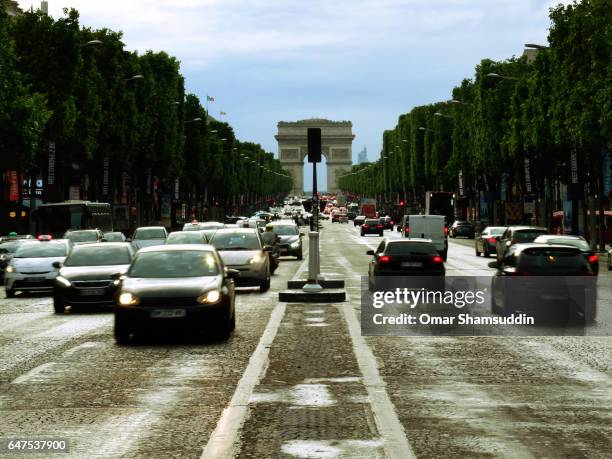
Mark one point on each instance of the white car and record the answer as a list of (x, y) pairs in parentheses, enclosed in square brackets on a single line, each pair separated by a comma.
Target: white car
[(31, 268)]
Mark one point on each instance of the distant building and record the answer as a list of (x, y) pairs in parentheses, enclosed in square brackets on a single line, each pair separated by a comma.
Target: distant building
[(12, 9), (362, 156)]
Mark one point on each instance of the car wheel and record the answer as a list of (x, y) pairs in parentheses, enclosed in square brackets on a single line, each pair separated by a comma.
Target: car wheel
[(381, 234), (300, 255), (265, 285), (58, 305), (121, 332), (486, 253), (370, 283), (477, 252), (10, 293), (495, 309), (445, 254)]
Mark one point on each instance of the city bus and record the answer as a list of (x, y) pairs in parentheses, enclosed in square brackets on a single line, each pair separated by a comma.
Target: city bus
[(56, 218)]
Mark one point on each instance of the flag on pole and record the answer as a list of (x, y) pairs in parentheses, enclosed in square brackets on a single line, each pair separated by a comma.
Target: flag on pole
[(210, 98)]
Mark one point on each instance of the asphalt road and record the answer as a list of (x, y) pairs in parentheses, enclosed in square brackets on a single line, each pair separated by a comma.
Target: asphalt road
[(298, 380)]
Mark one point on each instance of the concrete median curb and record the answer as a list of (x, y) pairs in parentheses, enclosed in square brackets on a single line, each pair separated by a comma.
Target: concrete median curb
[(329, 283), (324, 296)]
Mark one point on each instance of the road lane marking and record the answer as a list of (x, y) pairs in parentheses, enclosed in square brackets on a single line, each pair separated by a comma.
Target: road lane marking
[(222, 441), (396, 442)]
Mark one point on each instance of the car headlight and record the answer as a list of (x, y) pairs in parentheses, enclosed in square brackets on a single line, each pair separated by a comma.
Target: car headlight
[(256, 259), (210, 297), (128, 299), (62, 280), (295, 245)]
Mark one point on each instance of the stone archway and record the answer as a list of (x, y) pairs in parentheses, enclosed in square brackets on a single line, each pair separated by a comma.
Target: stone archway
[(336, 145)]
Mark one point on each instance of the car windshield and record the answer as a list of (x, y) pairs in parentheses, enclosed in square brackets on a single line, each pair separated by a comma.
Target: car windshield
[(185, 238), (114, 237), (578, 243), (235, 241), (82, 236), (41, 250), (9, 247), (192, 227), (174, 264), (495, 231), (527, 235), (411, 248), (150, 233), (285, 230), (98, 256)]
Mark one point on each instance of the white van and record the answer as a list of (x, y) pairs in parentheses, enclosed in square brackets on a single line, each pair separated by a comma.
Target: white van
[(428, 227)]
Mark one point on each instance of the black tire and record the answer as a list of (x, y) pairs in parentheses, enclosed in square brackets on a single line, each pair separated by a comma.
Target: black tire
[(300, 255), (265, 285), (486, 253), (370, 284), (121, 332), (495, 309), (381, 234), (476, 249), (445, 254), (10, 293), (58, 305)]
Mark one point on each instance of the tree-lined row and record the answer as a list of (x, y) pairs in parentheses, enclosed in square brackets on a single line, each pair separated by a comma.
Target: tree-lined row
[(511, 111), (99, 103)]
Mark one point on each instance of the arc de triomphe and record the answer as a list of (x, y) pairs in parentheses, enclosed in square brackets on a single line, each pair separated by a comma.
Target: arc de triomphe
[(336, 145)]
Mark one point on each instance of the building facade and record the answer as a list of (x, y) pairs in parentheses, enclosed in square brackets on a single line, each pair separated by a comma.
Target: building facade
[(336, 145)]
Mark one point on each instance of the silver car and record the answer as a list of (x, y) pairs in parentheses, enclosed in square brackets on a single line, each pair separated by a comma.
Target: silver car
[(31, 268), (147, 236), (243, 250)]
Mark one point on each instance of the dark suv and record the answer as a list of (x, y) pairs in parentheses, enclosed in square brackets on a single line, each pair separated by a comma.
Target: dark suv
[(517, 234), (555, 281)]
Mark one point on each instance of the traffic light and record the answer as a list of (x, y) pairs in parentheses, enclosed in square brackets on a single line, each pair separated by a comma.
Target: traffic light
[(314, 145), (402, 203)]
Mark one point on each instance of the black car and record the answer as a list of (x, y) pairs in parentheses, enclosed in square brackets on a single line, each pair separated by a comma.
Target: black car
[(575, 241), (553, 281), (290, 239), (86, 278), (461, 228), (486, 242), (387, 222), (517, 234), (176, 286), (372, 226), (404, 257)]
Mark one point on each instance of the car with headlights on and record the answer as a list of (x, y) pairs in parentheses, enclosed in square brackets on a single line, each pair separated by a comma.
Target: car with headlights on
[(86, 277), (243, 250), (175, 287), (186, 237), (8, 249), (84, 236), (290, 243), (486, 241), (31, 268), (575, 241), (147, 236)]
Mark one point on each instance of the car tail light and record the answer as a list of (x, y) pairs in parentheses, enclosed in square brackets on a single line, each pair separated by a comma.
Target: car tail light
[(366, 226), (379, 226), (391, 222), (384, 258), (407, 230), (492, 240), (445, 230), (44, 237), (593, 259), (437, 259)]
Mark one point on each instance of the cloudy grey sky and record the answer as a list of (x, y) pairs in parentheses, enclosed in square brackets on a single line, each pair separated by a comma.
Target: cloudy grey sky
[(366, 61)]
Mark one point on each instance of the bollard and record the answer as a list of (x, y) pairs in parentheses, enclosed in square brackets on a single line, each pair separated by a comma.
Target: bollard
[(313, 263)]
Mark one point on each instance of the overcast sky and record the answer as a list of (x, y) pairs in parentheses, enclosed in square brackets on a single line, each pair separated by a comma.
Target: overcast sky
[(367, 61)]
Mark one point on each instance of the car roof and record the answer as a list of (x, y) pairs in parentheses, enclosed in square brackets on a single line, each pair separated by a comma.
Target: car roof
[(526, 227), (561, 236), (534, 245), (82, 230), (283, 223), (150, 227), (178, 248), (237, 230), (103, 245), (416, 240)]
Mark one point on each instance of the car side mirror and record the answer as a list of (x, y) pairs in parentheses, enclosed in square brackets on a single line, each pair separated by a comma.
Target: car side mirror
[(57, 264), (493, 264), (370, 252), (232, 274)]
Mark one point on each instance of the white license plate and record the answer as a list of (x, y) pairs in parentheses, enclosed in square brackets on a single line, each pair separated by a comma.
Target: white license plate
[(412, 264), (168, 313), (92, 291)]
